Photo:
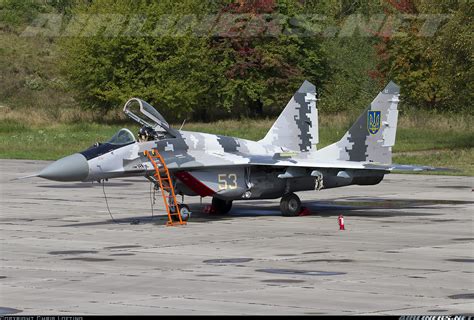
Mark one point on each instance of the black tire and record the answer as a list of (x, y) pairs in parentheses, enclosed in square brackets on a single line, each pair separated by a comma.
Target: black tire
[(290, 205), (221, 206), (184, 211)]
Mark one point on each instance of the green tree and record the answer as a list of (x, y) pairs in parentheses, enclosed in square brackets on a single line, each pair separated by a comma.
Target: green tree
[(17, 12), (170, 71), (348, 46), (435, 72), (204, 73), (262, 69)]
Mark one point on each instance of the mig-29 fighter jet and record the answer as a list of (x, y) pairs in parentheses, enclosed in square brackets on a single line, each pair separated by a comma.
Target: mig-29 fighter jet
[(225, 168)]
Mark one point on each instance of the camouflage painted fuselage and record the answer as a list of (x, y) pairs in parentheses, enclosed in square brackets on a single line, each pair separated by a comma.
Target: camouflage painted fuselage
[(284, 161), (224, 167)]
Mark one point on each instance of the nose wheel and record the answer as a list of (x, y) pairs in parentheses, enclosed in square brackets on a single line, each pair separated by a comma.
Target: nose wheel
[(185, 212), (290, 205)]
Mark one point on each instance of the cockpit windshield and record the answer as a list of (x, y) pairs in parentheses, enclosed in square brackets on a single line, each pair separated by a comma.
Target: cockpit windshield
[(123, 136)]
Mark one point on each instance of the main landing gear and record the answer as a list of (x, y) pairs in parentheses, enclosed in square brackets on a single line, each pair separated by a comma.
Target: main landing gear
[(290, 205), (221, 206)]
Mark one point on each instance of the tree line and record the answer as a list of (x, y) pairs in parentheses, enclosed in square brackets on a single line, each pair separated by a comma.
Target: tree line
[(205, 60)]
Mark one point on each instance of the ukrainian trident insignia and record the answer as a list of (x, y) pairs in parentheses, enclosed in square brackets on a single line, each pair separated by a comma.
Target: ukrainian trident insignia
[(373, 122)]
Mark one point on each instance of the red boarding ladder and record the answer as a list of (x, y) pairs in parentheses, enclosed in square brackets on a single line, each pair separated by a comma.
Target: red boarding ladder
[(162, 176)]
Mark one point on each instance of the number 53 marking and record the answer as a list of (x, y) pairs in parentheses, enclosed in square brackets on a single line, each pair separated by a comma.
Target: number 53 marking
[(227, 181)]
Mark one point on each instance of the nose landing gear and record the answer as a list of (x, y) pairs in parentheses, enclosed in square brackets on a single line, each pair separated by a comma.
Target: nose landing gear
[(184, 211)]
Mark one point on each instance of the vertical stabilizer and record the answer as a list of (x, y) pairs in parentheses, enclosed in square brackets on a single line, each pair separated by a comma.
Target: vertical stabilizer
[(296, 129), (372, 136)]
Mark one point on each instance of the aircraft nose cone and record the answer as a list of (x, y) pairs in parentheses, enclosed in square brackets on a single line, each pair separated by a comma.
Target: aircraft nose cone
[(70, 168)]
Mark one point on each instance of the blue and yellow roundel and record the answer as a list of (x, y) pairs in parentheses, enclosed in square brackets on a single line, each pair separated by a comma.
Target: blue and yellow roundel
[(373, 122)]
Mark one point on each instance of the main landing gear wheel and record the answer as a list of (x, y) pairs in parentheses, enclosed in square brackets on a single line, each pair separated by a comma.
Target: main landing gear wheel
[(184, 211), (221, 206), (290, 205)]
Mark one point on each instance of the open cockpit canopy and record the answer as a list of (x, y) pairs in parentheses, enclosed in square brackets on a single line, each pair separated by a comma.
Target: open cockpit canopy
[(153, 118)]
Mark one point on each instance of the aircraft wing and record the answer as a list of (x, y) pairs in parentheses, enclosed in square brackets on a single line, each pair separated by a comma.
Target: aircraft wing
[(210, 173), (410, 167), (202, 159)]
